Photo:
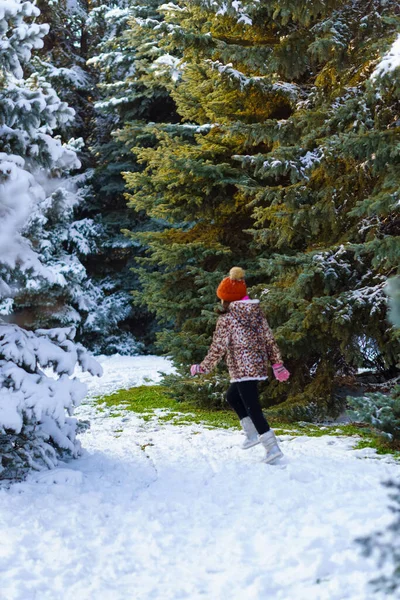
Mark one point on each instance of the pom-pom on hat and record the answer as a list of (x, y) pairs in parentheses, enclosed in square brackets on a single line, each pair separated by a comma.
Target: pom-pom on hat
[(233, 287)]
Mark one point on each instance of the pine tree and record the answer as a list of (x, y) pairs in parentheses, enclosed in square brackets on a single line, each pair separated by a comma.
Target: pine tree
[(285, 162), (331, 211), (36, 424), (97, 67), (62, 60), (99, 305), (58, 227), (187, 176), (31, 114), (126, 94)]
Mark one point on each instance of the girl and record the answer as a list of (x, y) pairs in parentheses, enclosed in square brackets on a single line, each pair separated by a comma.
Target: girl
[(243, 335)]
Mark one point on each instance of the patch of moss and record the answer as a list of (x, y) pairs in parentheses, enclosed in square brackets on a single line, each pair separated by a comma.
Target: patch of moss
[(139, 399), (147, 400), (381, 445)]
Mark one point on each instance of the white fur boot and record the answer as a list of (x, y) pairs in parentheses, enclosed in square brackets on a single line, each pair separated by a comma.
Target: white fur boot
[(270, 444), (252, 437)]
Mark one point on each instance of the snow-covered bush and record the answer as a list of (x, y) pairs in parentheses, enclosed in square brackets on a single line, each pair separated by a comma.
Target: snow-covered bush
[(382, 411), (36, 423)]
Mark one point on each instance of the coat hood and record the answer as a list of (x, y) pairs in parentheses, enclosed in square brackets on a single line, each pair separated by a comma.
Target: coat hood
[(247, 312)]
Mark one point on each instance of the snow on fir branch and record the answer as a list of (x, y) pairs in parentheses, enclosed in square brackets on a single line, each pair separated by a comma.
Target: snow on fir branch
[(172, 7), (16, 48), (389, 62), (236, 9), (168, 65), (74, 76), (371, 297), (289, 90), (297, 168)]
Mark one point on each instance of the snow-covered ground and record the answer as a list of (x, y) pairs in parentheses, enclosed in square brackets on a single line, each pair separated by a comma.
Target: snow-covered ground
[(154, 511), (124, 372)]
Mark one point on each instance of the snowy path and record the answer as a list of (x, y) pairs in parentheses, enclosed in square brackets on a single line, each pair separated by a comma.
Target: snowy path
[(158, 512)]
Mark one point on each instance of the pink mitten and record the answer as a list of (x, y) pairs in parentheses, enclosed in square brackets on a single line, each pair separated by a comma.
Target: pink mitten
[(195, 370), (280, 372)]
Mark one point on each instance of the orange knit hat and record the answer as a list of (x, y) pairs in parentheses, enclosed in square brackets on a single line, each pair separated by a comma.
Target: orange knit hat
[(233, 287)]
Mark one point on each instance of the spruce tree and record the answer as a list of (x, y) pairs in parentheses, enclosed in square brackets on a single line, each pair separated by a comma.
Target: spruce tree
[(126, 95), (32, 116), (36, 423), (62, 60), (100, 68), (93, 240), (61, 227), (325, 208), (286, 163)]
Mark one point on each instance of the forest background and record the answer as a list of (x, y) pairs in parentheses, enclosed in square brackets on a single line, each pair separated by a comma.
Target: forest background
[(148, 147)]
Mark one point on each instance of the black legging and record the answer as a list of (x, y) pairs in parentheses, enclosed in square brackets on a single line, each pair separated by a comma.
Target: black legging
[(242, 396)]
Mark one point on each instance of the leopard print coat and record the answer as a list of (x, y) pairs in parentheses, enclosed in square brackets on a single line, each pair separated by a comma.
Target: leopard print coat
[(245, 338)]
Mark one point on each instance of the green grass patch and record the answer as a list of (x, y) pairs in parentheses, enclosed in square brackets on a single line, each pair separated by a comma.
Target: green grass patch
[(152, 401), (139, 399), (381, 445), (146, 400)]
